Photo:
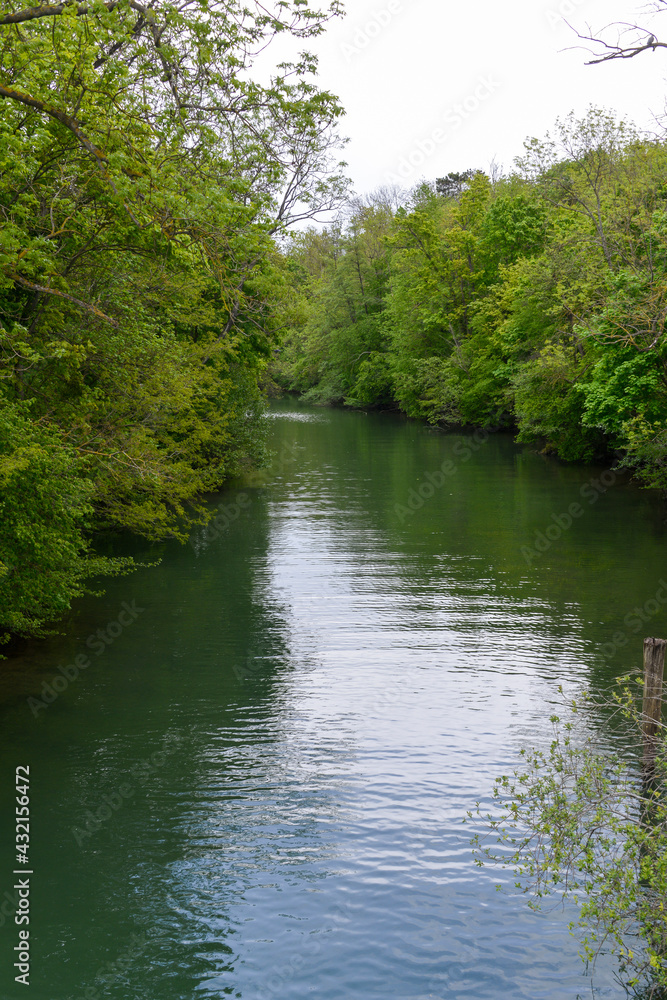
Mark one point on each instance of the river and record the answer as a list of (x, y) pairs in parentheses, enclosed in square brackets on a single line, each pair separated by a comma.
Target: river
[(249, 765)]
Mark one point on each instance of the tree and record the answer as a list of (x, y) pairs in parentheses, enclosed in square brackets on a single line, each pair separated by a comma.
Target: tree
[(45, 505), (143, 177), (631, 39), (342, 280), (578, 167), (579, 824), (157, 100), (454, 183)]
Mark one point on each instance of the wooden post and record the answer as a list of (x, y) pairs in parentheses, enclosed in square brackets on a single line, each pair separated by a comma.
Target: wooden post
[(654, 668)]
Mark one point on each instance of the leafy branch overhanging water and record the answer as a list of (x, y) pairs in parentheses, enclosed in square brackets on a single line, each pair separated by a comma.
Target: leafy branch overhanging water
[(584, 825)]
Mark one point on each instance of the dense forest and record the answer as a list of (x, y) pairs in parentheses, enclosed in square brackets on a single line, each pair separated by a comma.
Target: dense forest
[(145, 176), (534, 301)]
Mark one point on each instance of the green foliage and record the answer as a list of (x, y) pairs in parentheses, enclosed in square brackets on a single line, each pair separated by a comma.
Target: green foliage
[(374, 384), (341, 283), (647, 451), (426, 387), (549, 402), (45, 507), (535, 302), (144, 174), (514, 227), (583, 825)]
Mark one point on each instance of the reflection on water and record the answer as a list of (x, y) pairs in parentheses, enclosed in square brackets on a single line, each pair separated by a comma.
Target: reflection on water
[(305, 417), (312, 697)]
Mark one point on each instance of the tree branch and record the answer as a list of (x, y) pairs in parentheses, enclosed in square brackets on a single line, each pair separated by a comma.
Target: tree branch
[(63, 295), (48, 10), (71, 124), (619, 51)]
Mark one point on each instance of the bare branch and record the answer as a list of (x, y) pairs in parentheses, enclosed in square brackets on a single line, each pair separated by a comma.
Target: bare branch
[(643, 41)]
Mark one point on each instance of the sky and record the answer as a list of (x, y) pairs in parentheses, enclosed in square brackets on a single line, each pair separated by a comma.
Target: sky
[(431, 86)]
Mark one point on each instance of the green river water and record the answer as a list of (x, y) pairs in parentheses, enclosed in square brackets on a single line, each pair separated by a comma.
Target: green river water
[(255, 786)]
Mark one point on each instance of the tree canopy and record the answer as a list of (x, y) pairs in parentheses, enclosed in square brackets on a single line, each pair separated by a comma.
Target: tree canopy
[(144, 172), (535, 301)]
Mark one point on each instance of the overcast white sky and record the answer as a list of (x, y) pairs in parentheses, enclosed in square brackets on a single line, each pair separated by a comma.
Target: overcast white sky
[(479, 76)]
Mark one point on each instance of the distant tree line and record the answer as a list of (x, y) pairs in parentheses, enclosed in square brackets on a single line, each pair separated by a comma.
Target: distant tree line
[(534, 301)]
